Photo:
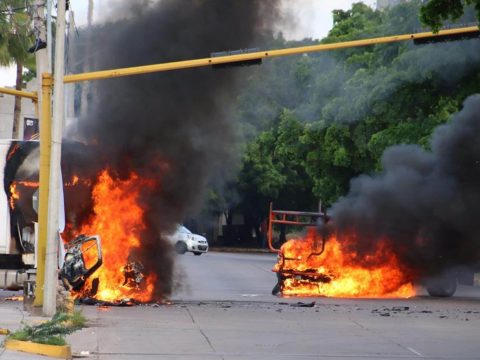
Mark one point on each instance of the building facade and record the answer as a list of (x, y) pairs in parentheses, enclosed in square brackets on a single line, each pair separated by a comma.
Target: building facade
[(7, 103)]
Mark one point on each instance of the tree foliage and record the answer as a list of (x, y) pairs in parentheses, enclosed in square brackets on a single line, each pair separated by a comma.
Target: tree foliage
[(15, 38), (435, 12), (15, 32), (314, 122)]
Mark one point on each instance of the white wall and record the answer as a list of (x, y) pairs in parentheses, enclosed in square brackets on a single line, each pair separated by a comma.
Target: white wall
[(7, 103), (5, 237)]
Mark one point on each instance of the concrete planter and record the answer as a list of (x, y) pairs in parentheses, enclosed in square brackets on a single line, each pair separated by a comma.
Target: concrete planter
[(56, 351)]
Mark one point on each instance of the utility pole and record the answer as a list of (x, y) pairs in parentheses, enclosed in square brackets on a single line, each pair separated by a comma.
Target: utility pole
[(41, 55), (49, 35), (51, 261), (86, 87), (70, 88), (41, 58)]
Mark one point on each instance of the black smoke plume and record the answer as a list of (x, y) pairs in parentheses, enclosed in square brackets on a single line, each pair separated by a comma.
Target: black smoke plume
[(426, 202), (171, 126)]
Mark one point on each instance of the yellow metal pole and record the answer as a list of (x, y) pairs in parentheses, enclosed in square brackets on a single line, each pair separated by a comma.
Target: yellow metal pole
[(45, 143), (25, 94), (137, 70)]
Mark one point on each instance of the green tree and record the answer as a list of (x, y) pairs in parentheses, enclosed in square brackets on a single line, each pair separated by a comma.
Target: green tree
[(336, 153), (435, 12), (15, 38), (346, 107), (273, 171)]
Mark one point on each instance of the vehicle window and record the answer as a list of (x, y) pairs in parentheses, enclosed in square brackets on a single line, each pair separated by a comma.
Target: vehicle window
[(182, 229)]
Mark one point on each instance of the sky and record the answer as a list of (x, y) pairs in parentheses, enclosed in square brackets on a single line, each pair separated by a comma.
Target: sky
[(314, 20)]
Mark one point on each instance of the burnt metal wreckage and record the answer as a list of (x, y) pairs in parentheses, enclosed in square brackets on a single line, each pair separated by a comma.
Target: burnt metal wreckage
[(120, 303), (443, 284), (133, 274), (75, 270), (311, 221)]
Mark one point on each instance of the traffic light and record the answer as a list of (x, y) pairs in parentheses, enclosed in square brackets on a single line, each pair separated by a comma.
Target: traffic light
[(454, 34), (257, 61)]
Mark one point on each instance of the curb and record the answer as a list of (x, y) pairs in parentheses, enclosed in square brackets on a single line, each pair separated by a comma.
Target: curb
[(56, 351)]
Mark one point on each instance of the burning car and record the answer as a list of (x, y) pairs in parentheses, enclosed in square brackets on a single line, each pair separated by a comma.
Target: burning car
[(184, 240)]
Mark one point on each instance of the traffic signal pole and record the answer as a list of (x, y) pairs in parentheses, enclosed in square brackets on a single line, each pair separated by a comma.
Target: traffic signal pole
[(44, 179), (26, 94), (137, 70)]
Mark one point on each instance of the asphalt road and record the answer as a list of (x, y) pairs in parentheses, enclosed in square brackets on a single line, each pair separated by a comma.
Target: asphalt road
[(225, 276), (244, 277), (226, 307), (225, 311)]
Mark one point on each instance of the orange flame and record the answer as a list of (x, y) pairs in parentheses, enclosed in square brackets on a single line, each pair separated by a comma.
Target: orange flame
[(76, 181), (13, 150), (32, 184), (339, 272), (14, 195), (118, 219)]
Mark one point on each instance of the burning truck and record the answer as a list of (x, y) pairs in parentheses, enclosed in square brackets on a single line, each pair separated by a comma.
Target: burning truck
[(19, 222), (101, 212), (319, 263)]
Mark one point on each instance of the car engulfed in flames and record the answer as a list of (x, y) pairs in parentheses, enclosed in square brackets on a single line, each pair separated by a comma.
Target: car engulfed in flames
[(320, 264)]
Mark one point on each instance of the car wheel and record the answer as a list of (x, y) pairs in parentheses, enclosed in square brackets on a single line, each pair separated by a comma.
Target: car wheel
[(442, 286), (180, 247), (197, 253), (276, 289)]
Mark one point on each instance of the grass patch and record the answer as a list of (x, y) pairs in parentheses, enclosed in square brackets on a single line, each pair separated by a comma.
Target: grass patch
[(52, 332)]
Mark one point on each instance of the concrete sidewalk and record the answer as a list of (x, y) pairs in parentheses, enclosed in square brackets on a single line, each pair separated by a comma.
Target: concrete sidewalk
[(341, 329), (321, 328), (12, 317)]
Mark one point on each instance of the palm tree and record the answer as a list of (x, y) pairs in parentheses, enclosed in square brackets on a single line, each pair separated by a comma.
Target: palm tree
[(15, 38)]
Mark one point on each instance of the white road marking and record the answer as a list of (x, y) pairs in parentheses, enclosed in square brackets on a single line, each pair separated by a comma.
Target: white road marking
[(415, 351)]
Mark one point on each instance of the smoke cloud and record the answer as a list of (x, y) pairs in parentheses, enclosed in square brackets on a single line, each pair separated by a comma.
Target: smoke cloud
[(426, 202), (172, 126), (447, 63)]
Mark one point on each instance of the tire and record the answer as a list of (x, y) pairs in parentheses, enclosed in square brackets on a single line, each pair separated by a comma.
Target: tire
[(197, 253), (442, 286), (180, 247), (276, 289)]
